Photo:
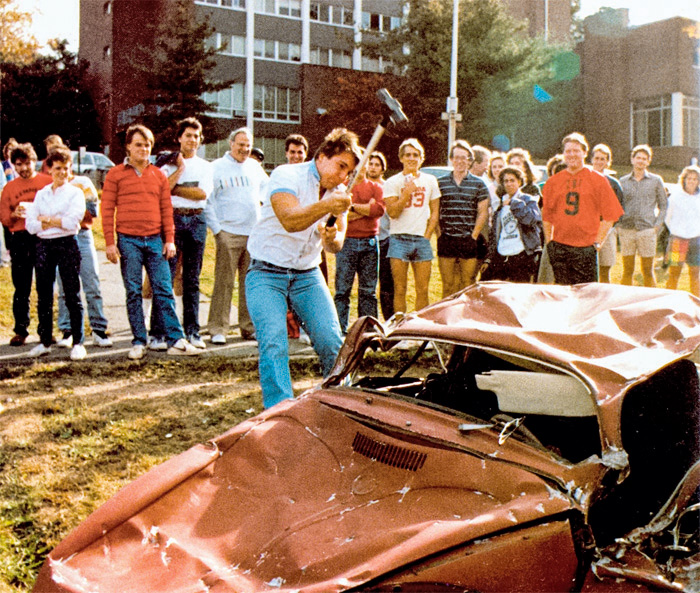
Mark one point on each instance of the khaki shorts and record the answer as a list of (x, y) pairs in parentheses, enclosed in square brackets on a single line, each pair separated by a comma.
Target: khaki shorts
[(633, 241), (608, 250)]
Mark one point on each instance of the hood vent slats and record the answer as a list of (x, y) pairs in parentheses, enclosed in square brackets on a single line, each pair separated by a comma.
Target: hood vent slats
[(387, 454)]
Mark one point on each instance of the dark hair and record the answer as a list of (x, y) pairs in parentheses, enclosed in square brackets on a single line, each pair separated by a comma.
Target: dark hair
[(23, 152), (555, 164), (380, 156), (58, 155), (494, 157), (257, 154), (512, 171), (188, 122), (528, 167), (139, 129), (296, 139), (340, 141), (481, 153), (464, 145)]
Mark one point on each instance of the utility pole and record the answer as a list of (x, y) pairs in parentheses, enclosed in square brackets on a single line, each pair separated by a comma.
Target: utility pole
[(451, 114)]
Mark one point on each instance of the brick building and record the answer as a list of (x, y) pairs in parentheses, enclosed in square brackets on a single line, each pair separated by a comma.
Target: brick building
[(290, 36), (642, 85)]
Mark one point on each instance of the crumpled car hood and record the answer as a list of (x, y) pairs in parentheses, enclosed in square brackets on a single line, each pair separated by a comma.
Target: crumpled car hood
[(303, 497)]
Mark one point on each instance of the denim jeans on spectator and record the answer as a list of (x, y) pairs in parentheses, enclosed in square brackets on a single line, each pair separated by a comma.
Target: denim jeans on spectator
[(386, 280), (90, 280), (358, 256), (61, 253), (137, 253), (190, 240), (269, 289), (22, 247)]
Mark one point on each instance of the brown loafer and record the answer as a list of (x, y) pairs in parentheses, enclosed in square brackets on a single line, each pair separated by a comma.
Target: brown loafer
[(18, 340)]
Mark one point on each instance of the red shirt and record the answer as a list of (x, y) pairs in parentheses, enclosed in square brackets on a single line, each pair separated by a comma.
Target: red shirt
[(367, 226), (142, 203), (576, 203), (16, 191)]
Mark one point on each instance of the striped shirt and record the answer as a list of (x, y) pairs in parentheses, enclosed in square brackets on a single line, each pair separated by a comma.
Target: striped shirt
[(459, 204), (142, 203)]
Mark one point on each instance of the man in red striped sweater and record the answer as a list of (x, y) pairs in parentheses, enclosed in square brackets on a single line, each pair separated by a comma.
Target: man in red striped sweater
[(140, 194)]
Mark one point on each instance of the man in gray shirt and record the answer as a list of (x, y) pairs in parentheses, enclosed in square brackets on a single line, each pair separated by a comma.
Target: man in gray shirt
[(645, 210)]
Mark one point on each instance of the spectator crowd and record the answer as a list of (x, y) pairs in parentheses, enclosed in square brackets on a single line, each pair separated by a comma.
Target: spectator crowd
[(492, 217)]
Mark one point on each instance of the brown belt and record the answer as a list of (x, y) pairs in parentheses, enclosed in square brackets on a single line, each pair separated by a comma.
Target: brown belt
[(188, 211)]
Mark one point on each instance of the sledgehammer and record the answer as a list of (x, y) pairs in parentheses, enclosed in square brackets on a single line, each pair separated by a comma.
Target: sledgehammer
[(391, 114)]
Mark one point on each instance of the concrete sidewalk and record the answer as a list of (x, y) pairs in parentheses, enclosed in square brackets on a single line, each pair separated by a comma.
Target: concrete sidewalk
[(114, 301)]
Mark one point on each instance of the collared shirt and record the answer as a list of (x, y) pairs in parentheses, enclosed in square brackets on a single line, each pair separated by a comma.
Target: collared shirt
[(645, 202), (197, 173), (234, 204), (459, 204), (269, 241), (66, 202)]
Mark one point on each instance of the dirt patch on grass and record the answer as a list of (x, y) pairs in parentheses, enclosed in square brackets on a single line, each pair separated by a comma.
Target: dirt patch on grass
[(72, 434)]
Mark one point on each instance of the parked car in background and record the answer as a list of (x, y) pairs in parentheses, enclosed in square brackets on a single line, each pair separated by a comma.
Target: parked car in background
[(533, 438), (93, 165)]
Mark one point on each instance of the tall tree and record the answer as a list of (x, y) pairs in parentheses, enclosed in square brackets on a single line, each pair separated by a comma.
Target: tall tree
[(497, 60), (49, 96), (176, 71), (16, 45)]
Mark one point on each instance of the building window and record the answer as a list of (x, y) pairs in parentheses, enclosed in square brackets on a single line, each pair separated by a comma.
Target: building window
[(651, 121), (334, 15), (216, 150), (276, 103), (279, 7), (273, 149), (224, 3), (325, 56), (269, 103), (380, 22), (228, 102), (691, 122)]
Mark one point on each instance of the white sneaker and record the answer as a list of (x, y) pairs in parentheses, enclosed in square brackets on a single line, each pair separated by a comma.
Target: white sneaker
[(197, 341), (183, 348), (39, 350), (78, 352), (218, 339), (103, 341), (137, 352), (158, 344), (66, 341)]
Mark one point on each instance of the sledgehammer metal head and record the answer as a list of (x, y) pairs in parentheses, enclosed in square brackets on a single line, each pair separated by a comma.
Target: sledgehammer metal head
[(392, 109)]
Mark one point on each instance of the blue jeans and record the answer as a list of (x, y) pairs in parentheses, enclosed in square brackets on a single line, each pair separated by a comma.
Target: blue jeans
[(358, 256), (137, 253), (190, 240), (269, 290), (90, 280)]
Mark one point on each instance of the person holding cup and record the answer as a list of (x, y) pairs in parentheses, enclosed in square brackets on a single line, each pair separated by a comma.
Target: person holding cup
[(22, 245)]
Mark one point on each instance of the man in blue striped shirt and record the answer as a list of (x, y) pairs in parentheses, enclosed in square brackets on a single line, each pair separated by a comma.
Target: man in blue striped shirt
[(464, 211)]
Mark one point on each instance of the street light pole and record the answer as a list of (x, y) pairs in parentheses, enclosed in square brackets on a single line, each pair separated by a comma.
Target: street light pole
[(452, 116)]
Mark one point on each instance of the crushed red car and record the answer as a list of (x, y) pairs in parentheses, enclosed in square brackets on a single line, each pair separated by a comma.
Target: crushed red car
[(531, 438)]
